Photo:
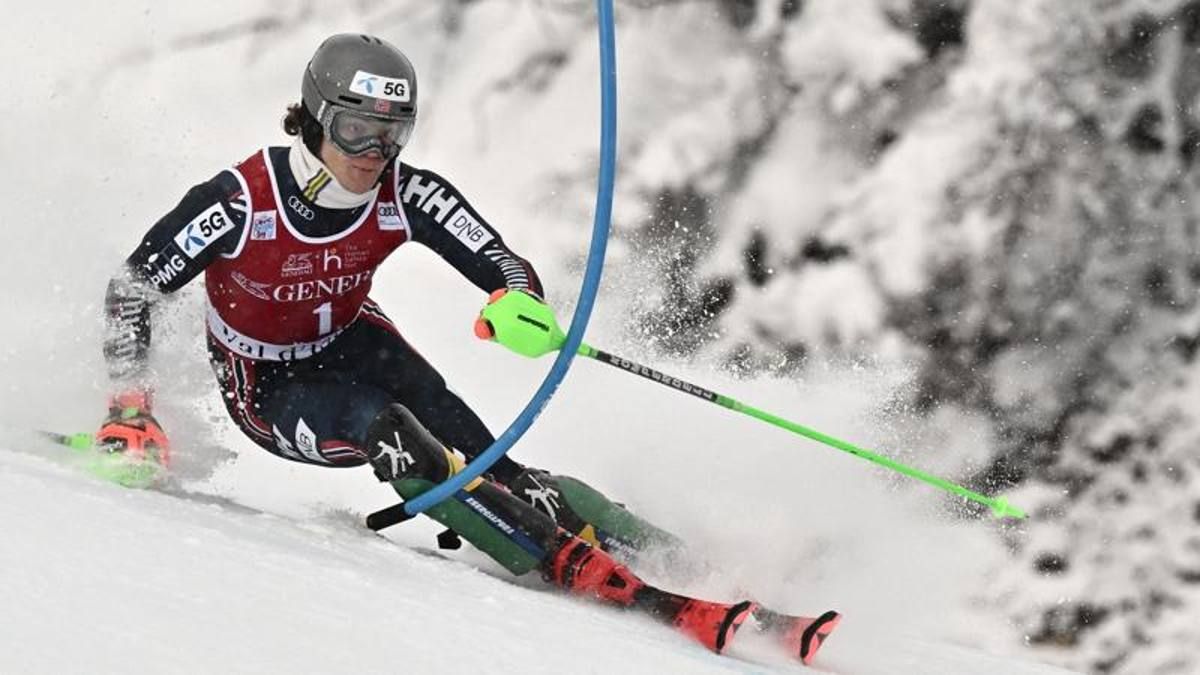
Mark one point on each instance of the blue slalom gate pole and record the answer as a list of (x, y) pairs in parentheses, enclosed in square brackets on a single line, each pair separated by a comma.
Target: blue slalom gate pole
[(587, 294)]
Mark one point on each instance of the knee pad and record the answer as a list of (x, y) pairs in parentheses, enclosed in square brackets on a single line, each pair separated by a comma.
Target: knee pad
[(399, 446)]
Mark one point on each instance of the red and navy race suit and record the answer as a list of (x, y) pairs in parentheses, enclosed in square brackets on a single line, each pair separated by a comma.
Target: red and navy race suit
[(304, 358)]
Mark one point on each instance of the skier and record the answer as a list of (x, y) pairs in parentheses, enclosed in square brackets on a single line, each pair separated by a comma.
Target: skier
[(311, 369)]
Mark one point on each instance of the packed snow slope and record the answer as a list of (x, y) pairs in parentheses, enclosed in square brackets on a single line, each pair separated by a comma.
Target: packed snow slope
[(99, 579), (118, 110)]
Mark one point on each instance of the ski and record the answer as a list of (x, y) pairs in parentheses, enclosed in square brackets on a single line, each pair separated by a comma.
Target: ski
[(113, 467), (802, 636), (712, 624)]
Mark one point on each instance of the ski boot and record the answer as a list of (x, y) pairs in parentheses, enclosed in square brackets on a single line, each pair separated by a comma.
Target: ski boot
[(580, 568), (131, 447)]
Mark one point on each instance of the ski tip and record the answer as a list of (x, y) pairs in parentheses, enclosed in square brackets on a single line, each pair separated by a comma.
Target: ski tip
[(734, 619), (815, 633), (81, 441)]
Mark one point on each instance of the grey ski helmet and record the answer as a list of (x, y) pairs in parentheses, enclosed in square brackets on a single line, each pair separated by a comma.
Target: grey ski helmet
[(363, 91)]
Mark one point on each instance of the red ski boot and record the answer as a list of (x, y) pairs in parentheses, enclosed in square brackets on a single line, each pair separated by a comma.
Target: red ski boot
[(583, 569), (580, 568)]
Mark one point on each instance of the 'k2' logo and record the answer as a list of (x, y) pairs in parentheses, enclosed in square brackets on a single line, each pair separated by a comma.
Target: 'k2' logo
[(397, 459), (544, 498)]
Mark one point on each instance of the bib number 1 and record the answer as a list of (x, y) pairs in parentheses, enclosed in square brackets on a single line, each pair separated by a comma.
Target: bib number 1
[(324, 318)]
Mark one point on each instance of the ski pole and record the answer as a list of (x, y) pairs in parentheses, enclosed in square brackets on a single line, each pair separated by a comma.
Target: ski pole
[(527, 326), (999, 505)]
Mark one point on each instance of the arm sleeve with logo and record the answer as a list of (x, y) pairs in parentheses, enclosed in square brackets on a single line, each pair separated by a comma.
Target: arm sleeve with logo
[(442, 219), (207, 222)]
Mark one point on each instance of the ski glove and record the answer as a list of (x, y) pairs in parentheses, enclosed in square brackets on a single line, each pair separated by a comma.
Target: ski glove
[(131, 429), (520, 321)]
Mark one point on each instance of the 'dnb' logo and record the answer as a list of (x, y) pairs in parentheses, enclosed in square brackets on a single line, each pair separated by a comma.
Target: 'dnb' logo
[(367, 83), (191, 239)]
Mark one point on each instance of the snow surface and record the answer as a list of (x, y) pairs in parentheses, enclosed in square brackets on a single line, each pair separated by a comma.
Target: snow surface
[(123, 107), (99, 579)]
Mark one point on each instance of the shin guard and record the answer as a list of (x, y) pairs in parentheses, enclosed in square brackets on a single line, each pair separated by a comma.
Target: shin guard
[(507, 529), (586, 512)]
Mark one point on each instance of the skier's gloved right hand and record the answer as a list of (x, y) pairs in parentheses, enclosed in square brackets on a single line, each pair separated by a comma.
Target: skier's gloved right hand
[(520, 321), (131, 429)]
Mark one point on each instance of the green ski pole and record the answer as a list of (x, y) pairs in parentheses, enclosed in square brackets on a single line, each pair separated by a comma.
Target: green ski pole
[(999, 505), (527, 326)]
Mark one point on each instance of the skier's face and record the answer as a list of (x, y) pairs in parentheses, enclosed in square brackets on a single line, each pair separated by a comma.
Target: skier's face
[(357, 174)]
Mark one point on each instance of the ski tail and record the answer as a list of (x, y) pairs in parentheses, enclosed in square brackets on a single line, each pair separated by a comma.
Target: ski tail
[(813, 635), (711, 623), (802, 636)]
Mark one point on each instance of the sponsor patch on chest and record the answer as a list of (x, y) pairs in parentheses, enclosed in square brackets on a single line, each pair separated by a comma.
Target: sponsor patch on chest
[(389, 216), (256, 288), (262, 226), (297, 264)]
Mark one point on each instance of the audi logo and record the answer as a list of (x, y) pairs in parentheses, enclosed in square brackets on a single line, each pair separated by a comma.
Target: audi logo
[(300, 208)]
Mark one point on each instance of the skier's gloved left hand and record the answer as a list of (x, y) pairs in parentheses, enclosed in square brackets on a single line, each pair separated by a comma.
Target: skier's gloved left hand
[(520, 321), (131, 429)]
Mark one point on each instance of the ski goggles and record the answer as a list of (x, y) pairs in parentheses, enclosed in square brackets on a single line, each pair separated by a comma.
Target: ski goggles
[(357, 134)]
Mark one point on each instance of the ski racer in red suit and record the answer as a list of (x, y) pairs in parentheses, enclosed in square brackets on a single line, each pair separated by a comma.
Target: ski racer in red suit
[(313, 370)]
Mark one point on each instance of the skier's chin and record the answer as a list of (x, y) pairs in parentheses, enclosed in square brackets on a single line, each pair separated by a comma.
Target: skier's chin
[(358, 174), (361, 176)]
